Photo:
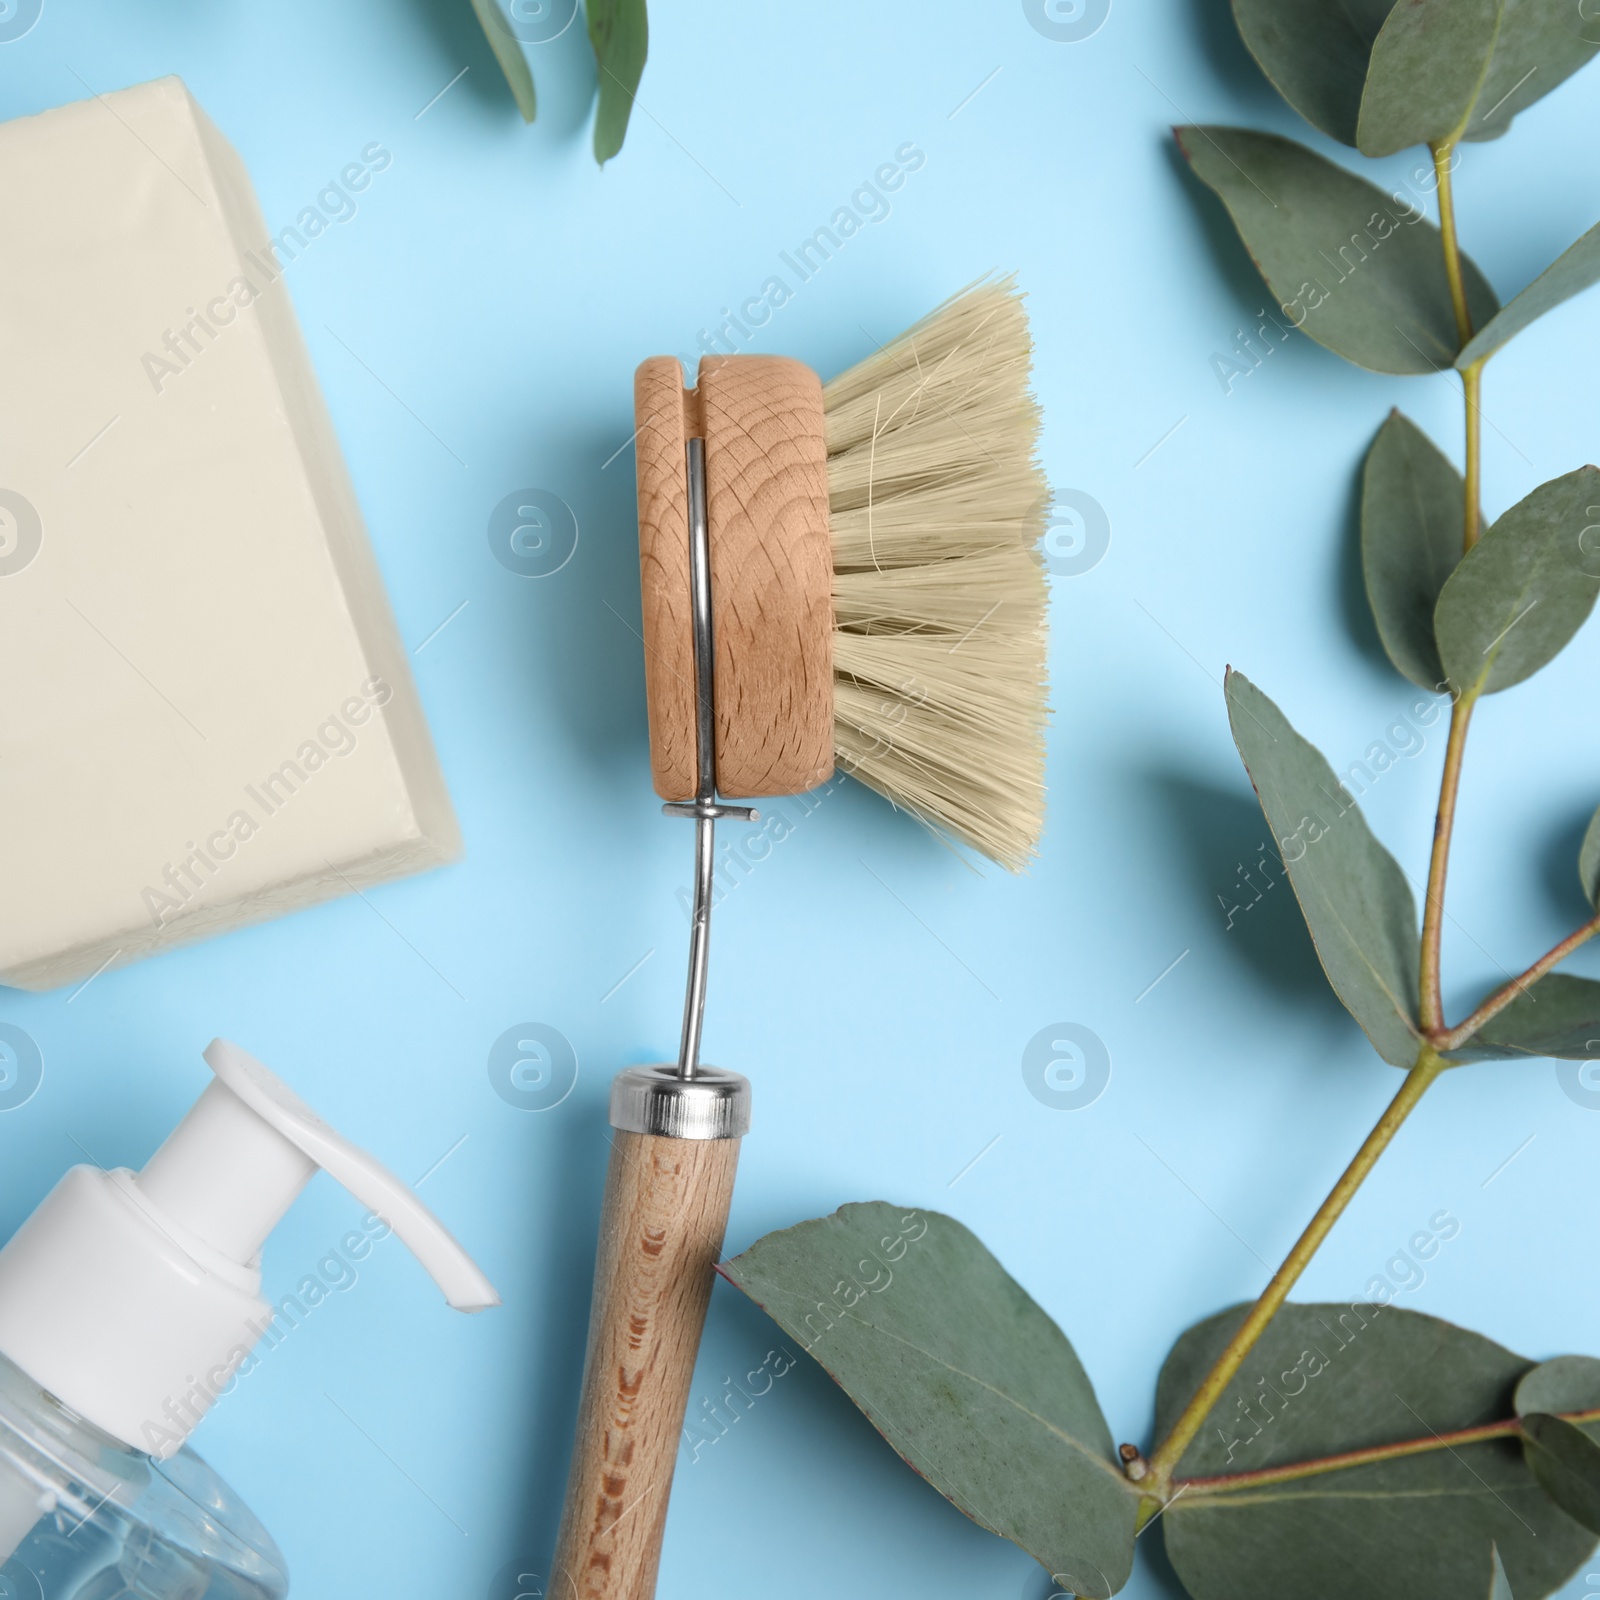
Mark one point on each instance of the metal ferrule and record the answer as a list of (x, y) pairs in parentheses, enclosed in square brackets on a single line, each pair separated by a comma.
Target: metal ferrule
[(659, 1100)]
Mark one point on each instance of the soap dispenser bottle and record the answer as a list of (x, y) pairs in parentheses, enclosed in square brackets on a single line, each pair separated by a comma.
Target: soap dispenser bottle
[(128, 1302)]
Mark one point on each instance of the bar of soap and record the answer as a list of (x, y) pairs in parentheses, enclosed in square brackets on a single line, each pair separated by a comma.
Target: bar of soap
[(206, 713)]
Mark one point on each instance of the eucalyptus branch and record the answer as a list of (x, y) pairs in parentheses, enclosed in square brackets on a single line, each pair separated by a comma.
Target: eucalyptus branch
[(1229, 1483), (1472, 378), (1455, 1037), (1429, 1064), (1444, 155), (1472, 393), (1158, 1476), (1431, 1000), (1432, 1005)]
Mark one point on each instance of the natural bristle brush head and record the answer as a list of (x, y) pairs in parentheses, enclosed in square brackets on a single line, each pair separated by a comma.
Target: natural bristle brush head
[(936, 507), (877, 592)]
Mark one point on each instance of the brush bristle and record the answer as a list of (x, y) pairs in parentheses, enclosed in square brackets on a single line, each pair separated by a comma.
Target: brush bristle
[(937, 504)]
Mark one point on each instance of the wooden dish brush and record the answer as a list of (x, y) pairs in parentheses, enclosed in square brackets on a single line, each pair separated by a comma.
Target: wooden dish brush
[(833, 575)]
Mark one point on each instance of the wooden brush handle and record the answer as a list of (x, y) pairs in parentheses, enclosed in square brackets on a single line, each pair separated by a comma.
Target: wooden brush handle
[(666, 1208)]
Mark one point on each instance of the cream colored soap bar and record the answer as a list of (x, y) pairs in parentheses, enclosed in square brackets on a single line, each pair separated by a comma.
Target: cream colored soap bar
[(206, 714)]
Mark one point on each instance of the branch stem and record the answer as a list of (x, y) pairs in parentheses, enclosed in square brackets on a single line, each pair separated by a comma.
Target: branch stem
[(1432, 1002), (1471, 377), (1472, 515), (1501, 998), (1228, 1483), (1159, 1475), (1444, 155), (1157, 1479)]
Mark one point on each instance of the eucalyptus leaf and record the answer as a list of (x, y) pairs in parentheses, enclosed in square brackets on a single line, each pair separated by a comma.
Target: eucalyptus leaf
[(1325, 1379), (1564, 1383), (958, 1368), (1541, 44), (620, 34), (1412, 517), (1568, 1466), (1574, 271), (1360, 271), (1559, 1016), (1356, 900), (508, 52), (1589, 861), (1428, 64), (1522, 591), (1566, 1461), (1315, 53)]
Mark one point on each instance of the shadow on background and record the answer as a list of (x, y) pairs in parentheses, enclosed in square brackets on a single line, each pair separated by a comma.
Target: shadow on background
[(1224, 248), (1222, 840), (1217, 41), (563, 70), (581, 655), (1558, 864), (553, 1319), (1350, 584)]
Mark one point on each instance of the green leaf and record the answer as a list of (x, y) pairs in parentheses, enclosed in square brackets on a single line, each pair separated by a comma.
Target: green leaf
[(1315, 53), (1589, 861), (1566, 1461), (1357, 269), (1325, 1379), (1576, 270), (1522, 591), (1428, 65), (1557, 1016), (508, 52), (1541, 44), (1564, 1383), (1564, 1455), (1412, 516), (1356, 899), (620, 34), (1499, 1584), (953, 1363)]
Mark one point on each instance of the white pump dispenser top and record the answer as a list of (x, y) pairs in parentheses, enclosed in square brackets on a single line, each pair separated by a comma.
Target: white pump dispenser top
[(134, 1298)]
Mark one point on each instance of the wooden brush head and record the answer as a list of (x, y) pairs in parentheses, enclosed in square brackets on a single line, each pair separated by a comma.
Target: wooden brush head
[(771, 572), (878, 594)]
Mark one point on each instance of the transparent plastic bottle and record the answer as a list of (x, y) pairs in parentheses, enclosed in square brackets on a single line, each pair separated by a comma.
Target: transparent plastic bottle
[(103, 1522), (127, 1303)]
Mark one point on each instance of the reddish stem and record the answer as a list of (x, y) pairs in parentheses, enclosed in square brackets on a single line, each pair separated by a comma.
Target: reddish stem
[(1228, 1482), (1497, 1002)]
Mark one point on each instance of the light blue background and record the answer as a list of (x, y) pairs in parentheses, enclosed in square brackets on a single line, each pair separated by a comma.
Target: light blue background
[(503, 289)]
